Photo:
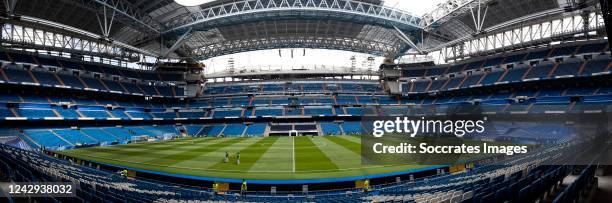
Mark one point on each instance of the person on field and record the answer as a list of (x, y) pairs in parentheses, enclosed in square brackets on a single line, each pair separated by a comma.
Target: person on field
[(238, 158), (226, 159), (243, 187), (215, 188), (366, 185)]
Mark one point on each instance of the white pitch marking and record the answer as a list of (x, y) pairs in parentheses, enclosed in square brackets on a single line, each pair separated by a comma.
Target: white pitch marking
[(293, 147)]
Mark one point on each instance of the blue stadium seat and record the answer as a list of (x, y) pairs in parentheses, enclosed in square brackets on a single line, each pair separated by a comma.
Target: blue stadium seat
[(22, 58), (568, 68), (435, 71), (34, 98), (515, 74), (318, 111), (92, 68), (537, 55), (4, 112), (492, 62), (414, 73), (437, 84), (93, 83), (455, 68), (223, 113), (474, 65), (595, 66), (71, 81), (268, 112), (580, 91), (36, 113), (540, 71), (329, 128), (130, 73), (119, 133), (471, 80), (214, 130), (234, 130), (492, 77), (352, 127), (193, 130), (5, 98), (131, 88), (164, 115), (420, 85), (97, 114), (591, 48), (515, 58), (75, 136), (68, 113), (119, 113), (113, 85), (46, 78), (563, 51), (406, 87), (138, 114), (309, 87), (18, 75), (191, 114), (256, 129), (153, 76), (344, 100), (149, 90), (358, 111), (454, 82), (46, 138), (293, 112), (165, 91)]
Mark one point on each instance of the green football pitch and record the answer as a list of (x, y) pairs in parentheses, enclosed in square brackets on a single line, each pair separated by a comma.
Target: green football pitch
[(272, 158)]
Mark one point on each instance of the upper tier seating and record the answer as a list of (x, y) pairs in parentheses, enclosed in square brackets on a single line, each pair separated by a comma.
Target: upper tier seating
[(39, 76), (50, 61), (293, 87)]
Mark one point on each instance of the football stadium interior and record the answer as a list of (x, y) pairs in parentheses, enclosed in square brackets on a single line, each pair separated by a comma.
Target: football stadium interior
[(117, 98)]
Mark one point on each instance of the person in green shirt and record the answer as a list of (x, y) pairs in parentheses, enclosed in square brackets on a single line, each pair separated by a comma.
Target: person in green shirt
[(215, 187), (243, 187), (366, 185)]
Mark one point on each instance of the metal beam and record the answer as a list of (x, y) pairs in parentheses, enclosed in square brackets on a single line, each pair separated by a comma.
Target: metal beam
[(355, 45), (9, 6), (448, 10), (552, 29), (84, 34), (178, 43), (351, 9), (130, 13), (406, 39)]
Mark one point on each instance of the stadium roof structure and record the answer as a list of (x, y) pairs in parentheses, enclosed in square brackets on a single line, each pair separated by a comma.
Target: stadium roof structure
[(223, 27), (165, 29), (475, 26)]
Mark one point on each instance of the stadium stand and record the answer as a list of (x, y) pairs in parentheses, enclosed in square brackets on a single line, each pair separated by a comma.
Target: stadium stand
[(147, 99)]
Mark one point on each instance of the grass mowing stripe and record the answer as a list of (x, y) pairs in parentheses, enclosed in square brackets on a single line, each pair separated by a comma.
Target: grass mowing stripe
[(146, 149), (154, 144), (309, 157), (338, 154), (193, 153), (355, 147), (352, 138), (248, 156), (277, 158)]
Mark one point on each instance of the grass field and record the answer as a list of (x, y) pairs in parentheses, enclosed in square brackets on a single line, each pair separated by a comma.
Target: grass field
[(270, 158)]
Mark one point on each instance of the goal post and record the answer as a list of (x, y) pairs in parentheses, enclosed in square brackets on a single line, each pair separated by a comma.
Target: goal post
[(293, 133)]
